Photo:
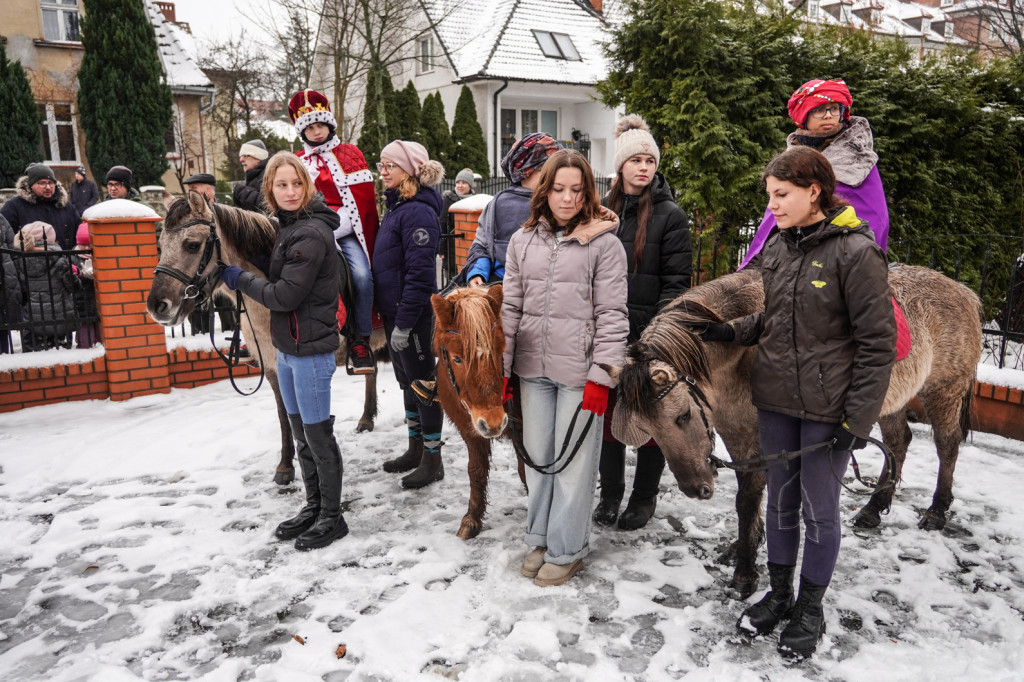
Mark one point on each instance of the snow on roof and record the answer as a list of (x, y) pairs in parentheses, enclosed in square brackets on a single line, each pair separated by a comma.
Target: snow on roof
[(175, 45), (887, 17), (474, 202), (118, 208), (504, 45)]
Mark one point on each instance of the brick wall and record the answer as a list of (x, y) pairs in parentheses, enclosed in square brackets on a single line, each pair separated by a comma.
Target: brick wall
[(998, 409), (465, 225), (44, 385)]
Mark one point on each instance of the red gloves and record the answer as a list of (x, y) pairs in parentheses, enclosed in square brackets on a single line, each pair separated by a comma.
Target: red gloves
[(595, 398), (506, 390)]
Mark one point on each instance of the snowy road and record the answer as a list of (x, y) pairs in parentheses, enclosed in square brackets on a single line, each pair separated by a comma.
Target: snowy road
[(138, 545)]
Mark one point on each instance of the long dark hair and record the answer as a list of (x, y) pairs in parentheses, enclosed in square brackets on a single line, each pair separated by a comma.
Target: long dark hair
[(644, 211), (804, 166), (591, 200)]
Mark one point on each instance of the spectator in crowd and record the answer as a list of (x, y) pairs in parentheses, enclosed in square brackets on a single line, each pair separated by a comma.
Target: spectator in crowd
[(88, 334), (50, 285), (119, 184), (404, 278), (40, 198), (564, 314), (249, 195), (10, 287), (84, 192), (844, 326), (656, 236), (821, 110), (465, 185), (204, 183), (301, 291), (342, 176)]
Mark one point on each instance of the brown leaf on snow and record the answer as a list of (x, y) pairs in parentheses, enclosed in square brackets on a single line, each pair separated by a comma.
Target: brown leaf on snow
[(298, 639), (340, 651)]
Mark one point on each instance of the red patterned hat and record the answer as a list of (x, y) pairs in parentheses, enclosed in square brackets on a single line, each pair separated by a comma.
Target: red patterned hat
[(813, 94), (308, 107)]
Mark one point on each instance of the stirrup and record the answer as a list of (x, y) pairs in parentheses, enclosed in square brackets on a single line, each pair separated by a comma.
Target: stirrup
[(425, 391)]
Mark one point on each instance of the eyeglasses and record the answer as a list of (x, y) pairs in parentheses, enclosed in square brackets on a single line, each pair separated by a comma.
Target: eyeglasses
[(114, 183), (46, 183), (831, 110), (389, 165)]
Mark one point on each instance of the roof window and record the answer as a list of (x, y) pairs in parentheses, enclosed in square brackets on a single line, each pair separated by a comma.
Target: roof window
[(557, 46)]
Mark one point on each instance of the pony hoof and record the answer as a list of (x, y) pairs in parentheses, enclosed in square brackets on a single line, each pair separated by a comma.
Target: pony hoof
[(469, 529), (285, 477), (867, 518), (364, 426), (741, 588), (932, 520)]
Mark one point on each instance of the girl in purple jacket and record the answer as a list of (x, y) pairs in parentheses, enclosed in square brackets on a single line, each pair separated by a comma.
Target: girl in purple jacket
[(564, 314)]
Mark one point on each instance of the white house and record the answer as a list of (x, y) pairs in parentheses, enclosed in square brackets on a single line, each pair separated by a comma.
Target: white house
[(531, 65)]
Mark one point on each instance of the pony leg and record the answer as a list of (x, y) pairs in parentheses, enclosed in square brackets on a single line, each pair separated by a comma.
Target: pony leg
[(751, 534), (285, 472), (479, 470), (896, 435), (369, 404), (950, 423)]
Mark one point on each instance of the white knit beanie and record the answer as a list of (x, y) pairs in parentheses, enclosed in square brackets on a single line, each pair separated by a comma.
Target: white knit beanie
[(633, 138), (254, 148)]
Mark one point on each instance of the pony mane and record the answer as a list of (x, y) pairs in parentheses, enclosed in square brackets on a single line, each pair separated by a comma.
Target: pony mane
[(248, 233), (474, 321)]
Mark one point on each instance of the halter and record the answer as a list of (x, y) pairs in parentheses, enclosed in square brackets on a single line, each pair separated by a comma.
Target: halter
[(451, 373), (195, 287)]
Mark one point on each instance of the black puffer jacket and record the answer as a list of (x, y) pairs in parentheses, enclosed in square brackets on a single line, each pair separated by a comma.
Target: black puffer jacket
[(250, 195), (57, 211), (667, 262), (10, 285), (827, 336), (302, 292), (51, 288)]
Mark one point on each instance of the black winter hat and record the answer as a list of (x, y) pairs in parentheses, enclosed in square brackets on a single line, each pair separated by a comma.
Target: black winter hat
[(37, 172), (120, 174)]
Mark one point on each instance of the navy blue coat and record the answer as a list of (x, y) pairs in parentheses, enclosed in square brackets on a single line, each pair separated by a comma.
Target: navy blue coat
[(404, 266)]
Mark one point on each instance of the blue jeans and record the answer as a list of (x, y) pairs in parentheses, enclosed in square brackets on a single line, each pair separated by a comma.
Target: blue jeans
[(558, 510), (306, 385), (362, 282), (810, 484)]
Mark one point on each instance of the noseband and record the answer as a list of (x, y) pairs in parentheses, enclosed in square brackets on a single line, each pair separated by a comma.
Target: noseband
[(701, 400), (195, 286)]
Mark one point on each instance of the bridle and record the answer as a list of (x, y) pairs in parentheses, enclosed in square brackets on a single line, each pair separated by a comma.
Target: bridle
[(195, 286), (451, 374)]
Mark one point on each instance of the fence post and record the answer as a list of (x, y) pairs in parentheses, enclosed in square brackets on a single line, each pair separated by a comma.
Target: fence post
[(465, 227), (123, 238)]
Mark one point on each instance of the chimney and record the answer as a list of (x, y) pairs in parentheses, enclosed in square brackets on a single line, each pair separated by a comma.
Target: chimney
[(598, 5), (167, 8)]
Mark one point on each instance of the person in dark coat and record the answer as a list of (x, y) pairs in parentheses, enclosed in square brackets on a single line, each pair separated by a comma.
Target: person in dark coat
[(50, 285), (656, 236), (253, 156), (40, 198), (826, 344), (84, 192), (119, 184), (404, 257), (301, 291), (10, 287)]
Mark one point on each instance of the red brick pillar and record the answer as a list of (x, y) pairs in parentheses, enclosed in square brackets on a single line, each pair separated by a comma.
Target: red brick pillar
[(124, 255), (465, 225)]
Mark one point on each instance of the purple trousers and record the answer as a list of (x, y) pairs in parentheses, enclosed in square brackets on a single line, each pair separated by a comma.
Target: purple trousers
[(811, 485)]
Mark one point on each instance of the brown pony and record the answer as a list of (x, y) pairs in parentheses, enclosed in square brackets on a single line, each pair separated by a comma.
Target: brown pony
[(678, 389), (195, 235), (468, 344)]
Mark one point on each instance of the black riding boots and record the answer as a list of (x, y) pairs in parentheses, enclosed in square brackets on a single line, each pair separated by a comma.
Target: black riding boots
[(777, 605), (430, 469), (304, 520), (613, 482), (650, 463), (807, 624), (408, 460), (330, 523)]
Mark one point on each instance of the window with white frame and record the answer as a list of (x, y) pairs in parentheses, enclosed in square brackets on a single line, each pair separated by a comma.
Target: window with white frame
[(946, 3), (926, 25), (515, 123), (60, 20), (59, 133), (557, 45), (813, 7), (994, 31), (425, 54)]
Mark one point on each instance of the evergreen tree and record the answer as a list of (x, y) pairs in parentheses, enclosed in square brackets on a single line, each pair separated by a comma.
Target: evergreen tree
[(19, 134), (407, 114), (376, 132), (123, 97), (436, 137), (469, 146)]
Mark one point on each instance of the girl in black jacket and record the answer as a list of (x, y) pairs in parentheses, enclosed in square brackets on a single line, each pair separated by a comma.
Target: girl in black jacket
[(656, 235), (302, 295)]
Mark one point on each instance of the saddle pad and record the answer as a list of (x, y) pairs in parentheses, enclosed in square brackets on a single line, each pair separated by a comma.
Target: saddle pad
[(903, 341), (342, 313)]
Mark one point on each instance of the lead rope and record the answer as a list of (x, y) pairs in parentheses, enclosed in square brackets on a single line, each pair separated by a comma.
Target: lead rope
[(234, 354)]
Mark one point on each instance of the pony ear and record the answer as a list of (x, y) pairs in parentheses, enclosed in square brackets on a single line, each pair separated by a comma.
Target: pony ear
[(613, 371), (625, 428), (495, 295), (197, 202), (444, 310)]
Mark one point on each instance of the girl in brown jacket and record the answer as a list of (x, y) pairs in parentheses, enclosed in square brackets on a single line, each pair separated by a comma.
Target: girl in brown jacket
[(564, 314), (826, 345)]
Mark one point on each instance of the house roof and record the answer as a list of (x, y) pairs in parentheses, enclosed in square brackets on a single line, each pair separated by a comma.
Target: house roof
[(175, 45), (888, 17), (495, 39)]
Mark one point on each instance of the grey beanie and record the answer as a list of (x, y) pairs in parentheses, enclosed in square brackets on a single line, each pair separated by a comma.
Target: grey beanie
[(37, 172), (254, 148), (466, 175)]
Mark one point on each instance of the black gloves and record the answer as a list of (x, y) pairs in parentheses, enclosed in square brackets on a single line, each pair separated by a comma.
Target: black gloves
[(718, 331), (843, 439)]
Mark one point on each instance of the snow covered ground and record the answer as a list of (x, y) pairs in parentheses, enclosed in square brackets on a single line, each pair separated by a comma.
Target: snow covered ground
[(138, 545)]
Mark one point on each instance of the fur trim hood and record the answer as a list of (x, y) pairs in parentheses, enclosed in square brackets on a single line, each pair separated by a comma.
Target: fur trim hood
[(851, 153), (25, 192)]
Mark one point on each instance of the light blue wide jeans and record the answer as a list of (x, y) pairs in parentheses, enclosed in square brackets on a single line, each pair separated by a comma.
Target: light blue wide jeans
[(559, 508)]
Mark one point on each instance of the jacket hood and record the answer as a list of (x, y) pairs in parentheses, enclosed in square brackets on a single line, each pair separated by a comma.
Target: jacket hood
[(25, 192), (606, 221), (841, 221), (851, 153), (315, 210), (427, 195)]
